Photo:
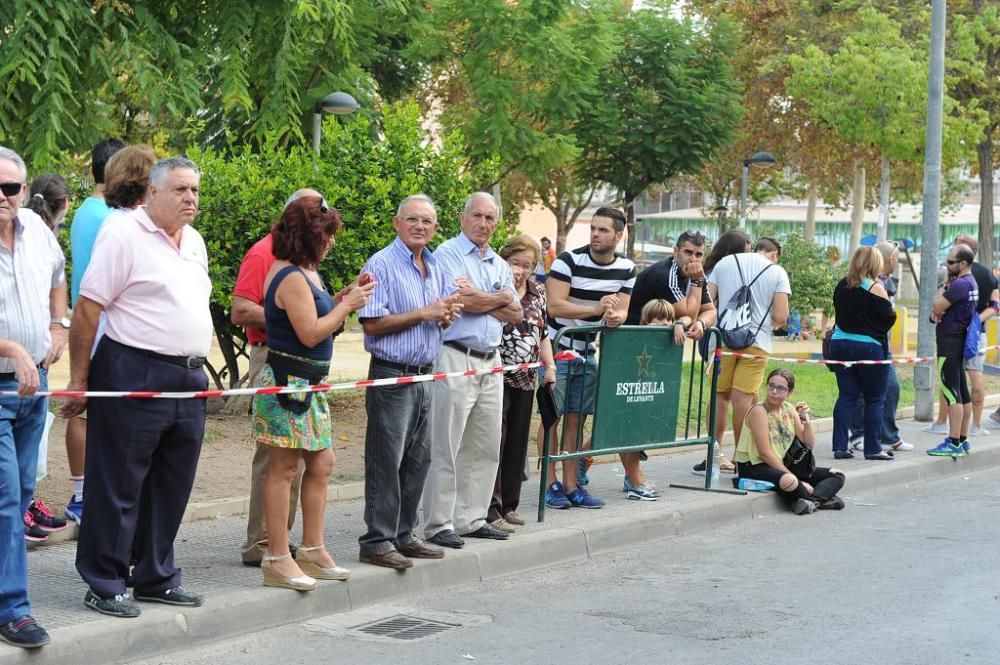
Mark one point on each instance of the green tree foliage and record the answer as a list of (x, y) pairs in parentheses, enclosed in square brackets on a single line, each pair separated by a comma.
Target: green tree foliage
[(975, 82), (365, 176), (664, 105), (811, 274), (514, 76), (177, 73)]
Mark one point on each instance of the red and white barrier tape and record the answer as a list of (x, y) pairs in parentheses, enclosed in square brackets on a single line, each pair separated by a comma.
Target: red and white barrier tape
[(916, 360), (275, 390)]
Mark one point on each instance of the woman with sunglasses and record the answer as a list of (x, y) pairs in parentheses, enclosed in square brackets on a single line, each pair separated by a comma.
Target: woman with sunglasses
[(864, 317), (302, 318), (769, 430)]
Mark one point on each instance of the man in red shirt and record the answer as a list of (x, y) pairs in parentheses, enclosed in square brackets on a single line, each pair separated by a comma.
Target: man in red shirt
[(248, 311)]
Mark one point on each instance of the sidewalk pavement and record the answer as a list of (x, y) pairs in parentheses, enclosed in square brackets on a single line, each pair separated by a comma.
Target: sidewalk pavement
[(237, 603)]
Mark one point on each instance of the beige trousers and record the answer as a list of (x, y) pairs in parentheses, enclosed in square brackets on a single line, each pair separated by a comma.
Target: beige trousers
[(465, 445)]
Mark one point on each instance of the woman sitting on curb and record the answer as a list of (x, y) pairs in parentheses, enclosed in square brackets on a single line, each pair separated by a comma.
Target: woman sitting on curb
[(771, 427)]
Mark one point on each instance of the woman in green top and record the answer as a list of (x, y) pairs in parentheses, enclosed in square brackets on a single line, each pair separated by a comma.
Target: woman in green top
[(771, 426)]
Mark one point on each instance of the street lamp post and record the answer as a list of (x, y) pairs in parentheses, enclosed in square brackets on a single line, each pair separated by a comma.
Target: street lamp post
[(762, 160), (338, 103)]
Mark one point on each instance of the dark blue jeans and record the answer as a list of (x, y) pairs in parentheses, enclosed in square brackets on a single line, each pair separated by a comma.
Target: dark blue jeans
[(21, 424), (859, 381), (397, 458), (890, 432)]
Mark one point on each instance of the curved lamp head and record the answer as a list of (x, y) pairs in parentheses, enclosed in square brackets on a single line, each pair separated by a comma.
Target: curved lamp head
[(338, 103), (761, 159)]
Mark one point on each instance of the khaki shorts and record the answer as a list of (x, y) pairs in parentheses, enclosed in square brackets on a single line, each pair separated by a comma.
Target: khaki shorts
[(743, 374), (975, 363)]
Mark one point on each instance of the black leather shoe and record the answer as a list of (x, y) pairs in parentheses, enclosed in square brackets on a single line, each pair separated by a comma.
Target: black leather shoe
[(490, 532), (176, 596), (447, 538), (121, 605), (24, 632)]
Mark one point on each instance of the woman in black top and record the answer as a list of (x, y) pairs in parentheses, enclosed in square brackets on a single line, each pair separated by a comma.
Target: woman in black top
[(864, 318)]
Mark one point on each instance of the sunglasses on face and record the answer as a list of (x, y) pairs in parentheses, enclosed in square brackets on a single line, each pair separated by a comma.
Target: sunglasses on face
[(953, 262), (11, 188)]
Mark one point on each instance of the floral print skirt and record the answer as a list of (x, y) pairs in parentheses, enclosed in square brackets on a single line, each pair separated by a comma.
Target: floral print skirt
[(274, 425)]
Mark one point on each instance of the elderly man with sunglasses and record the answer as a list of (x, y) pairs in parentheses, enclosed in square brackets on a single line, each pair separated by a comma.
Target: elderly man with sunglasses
[(32, 336)]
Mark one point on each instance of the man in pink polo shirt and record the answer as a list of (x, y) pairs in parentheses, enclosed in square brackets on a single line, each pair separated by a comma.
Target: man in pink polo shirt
[(149, 274), (248, 311)]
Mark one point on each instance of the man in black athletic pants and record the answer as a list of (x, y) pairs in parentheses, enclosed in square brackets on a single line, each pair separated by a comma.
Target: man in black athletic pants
[(954, 307)]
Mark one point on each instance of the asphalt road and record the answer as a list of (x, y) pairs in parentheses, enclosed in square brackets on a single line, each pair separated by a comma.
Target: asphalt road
[(911, 580)]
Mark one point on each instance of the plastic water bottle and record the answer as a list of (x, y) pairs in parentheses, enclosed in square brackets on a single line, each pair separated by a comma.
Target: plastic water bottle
[(754, 485), (715, 474)]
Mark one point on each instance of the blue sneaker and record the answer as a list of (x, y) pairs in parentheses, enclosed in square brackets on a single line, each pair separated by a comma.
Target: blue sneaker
[(555, 496), (580, 498), (947, 449), (966, 448), (581, 470), (74, 510), (644, 492)]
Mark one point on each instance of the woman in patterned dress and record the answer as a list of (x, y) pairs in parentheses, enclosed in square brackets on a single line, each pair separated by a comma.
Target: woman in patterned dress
[(524, 342), (302, 318)]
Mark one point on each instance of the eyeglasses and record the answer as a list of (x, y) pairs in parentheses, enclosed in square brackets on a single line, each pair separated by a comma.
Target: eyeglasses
[(11, 188), (775, 388), (423, 221)]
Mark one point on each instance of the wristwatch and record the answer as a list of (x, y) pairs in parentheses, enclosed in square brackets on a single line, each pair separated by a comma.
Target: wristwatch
[(63, 321)]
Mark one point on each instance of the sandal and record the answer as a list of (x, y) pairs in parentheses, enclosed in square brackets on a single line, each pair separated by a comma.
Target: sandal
[(310, 568), (843, 454), (274, 578), (883, 457), (726, 466)]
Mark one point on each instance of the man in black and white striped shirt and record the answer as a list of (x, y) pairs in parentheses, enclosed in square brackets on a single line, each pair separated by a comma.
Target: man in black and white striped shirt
[(588, 285)]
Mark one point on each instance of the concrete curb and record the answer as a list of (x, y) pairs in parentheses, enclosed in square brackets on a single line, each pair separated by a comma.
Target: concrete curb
[(239, 506), (228, 615)]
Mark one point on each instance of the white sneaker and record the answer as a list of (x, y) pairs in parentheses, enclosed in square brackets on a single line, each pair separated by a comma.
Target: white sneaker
[(978, 431), (899, 445), (857, 443), (934, 428)]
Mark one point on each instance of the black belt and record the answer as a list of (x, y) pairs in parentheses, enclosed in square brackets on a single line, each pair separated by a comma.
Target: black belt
[(188, 362), (405, 369), (482, 355), (12, 376)]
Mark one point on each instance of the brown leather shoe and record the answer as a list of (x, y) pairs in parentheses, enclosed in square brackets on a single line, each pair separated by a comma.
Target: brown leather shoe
[(418, 549), (387, 559)]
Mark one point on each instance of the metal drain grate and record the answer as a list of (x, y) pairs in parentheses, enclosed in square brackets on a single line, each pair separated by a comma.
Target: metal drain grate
[(404, 627)]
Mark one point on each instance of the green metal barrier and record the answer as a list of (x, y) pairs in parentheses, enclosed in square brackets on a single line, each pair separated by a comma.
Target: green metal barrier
[(639, 382)]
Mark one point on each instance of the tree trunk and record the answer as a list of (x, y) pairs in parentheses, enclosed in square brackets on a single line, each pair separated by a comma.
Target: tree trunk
[(883, 200), (810, 230), (857, 207), (562, 229), (986, 239), (630, 227)]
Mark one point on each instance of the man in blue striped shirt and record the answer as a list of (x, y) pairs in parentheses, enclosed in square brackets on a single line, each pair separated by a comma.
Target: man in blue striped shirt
[(467, 413), (402, 321)]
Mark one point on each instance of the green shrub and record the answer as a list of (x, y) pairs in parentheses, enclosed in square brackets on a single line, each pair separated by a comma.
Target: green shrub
[(367, 166)]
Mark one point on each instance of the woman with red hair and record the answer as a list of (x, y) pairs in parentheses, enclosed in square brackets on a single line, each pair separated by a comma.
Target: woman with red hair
[(301, 318)]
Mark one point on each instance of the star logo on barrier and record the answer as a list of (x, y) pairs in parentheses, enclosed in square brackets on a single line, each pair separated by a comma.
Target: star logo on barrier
[(643, 360)]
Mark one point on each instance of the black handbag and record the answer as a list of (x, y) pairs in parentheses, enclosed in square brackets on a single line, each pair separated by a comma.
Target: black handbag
[(799, 460)]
